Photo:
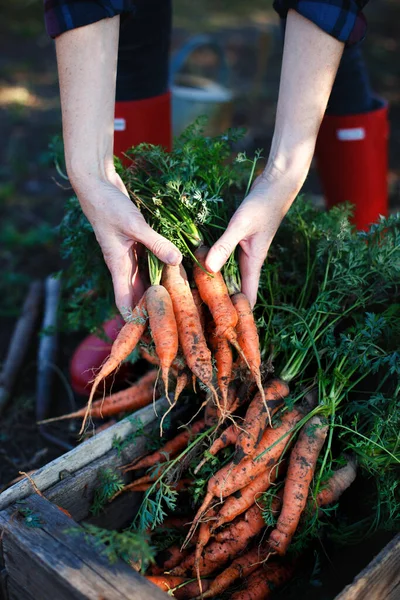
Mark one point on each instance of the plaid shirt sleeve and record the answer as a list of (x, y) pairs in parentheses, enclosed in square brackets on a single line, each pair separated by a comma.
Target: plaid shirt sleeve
[(62, 15), (343, 19)]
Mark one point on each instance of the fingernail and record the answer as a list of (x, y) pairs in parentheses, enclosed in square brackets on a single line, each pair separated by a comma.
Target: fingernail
[(173, 258), (212, 265)]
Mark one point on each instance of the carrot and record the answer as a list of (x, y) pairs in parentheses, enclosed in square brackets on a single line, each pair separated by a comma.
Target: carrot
[(242, 566), (123, 345), (138, 395), (264, 581), (247, 337), (182, 381), (163, 328), (191, 336), (250, 523), (257, 417), (303, 459), (243, 393), (241, 500), (232, 478), (337, 484), (218, 553), (223, 359), (214, 293), (227, 438), (182, 589), (202, 541), (170, 449), (200, 307), (152, 358)]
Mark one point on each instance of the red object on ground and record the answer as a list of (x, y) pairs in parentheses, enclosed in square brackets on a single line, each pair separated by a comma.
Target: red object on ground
[(90, 354), (147, 120), (352, 161)]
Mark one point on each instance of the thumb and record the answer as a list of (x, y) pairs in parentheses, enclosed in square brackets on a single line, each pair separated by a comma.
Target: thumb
[(165, 250), (223, 248)]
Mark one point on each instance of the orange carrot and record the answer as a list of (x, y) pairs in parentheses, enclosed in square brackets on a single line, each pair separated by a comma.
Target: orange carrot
[(138, 395), (227, 438), (153, 359), (183, 380), (241, 500), (257, 417), (242, 566), (232, 478), (163, 328), (250, 523), (214, 293), (303, 459), (123, 345), (217, 554), (337, 484), (247, 337), (191, 336), (261, 584), (200, 307), (170, 449), (182, 590), (222, 352)]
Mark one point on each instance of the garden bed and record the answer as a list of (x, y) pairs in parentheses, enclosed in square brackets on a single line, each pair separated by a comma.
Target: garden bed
[(42, 557)]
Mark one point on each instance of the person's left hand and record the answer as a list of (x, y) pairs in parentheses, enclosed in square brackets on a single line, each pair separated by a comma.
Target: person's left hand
[(255, 223)]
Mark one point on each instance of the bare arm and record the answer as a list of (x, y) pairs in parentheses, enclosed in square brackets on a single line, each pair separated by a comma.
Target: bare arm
[(310, 61), (87, 63)]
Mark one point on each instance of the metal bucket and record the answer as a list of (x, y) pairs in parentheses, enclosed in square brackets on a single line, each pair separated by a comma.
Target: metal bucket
[(194, 96)]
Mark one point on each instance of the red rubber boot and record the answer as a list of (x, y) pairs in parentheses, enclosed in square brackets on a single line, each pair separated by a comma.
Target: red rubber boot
[(352, 161), (139, 121)]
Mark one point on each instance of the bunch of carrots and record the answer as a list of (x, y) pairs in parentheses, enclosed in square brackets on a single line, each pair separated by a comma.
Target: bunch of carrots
[(263, 452), (228, 546), (186, 339)]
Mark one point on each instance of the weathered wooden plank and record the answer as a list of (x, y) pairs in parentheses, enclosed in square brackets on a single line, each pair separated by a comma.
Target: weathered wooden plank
[(79, 457), (380, 580), (75, 491), (16, 592), (56, 564)]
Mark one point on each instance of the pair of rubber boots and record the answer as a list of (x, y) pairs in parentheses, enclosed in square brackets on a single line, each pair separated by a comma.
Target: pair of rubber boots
[(352, 161)]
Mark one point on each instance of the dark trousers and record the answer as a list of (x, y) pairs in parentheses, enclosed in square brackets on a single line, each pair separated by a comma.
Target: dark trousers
[(143, 53)]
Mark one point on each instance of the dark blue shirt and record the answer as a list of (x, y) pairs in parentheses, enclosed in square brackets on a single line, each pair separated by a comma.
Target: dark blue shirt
[(343, 19)]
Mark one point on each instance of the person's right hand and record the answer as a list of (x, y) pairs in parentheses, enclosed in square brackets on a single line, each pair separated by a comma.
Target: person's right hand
[(120, 229)]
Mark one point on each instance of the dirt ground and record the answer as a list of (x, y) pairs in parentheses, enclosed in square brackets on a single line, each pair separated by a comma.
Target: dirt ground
[(32, 195)]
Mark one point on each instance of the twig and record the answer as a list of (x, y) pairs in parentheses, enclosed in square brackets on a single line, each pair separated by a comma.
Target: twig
[(47, 347), (19, 342)]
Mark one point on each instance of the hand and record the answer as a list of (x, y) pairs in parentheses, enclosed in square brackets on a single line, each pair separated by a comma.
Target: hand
[(255, 223), (120, 229)]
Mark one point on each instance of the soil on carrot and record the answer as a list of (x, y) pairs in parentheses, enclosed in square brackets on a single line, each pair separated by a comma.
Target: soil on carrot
[(31, 202)]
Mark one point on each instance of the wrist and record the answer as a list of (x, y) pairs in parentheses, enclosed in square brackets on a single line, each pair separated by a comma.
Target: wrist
[(87, 174)]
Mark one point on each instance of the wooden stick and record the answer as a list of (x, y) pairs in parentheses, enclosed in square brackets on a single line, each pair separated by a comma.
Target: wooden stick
[(20, 339), (48, 346)]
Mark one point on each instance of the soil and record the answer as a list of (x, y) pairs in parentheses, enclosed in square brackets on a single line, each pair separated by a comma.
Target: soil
[(32, 194)]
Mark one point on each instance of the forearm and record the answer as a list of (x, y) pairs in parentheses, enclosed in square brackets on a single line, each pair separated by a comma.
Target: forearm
[(87, 63), (310, 61)]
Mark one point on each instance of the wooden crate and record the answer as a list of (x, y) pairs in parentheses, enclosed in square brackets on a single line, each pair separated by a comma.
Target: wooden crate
[(51, 563)]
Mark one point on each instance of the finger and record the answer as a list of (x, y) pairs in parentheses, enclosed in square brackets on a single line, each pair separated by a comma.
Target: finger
[(250, 269), (138, 279), (165, 250), (123, 272), (223, 248)]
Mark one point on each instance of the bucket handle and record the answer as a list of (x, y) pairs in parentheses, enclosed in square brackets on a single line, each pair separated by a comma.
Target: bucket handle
[(181, 56)]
